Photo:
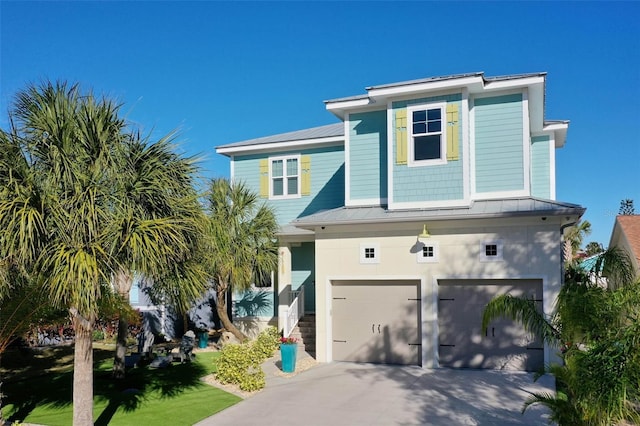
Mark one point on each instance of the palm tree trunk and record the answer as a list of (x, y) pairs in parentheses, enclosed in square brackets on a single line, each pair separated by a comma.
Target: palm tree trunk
[(123, 282), (82, 372), (1, 395), (221, 309), (118, 371)]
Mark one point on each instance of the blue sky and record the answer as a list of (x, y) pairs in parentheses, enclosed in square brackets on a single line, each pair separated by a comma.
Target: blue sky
[(223, 72)]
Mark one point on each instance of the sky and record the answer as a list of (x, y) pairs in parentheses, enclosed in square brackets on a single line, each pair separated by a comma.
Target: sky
[(222, 72)]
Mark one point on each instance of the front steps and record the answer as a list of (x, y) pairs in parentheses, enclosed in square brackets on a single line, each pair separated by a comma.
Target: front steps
[(305, 332)]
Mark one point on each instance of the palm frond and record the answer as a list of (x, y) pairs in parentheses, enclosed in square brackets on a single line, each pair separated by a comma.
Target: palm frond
[(523, 311)]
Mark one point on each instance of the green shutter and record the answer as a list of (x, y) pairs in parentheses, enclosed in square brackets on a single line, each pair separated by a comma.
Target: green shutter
[(305, 167), (453, 129), (401, 136), (264, 178)]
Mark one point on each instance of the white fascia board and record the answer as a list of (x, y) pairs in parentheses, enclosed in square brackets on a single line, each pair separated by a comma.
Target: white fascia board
[(270, 146), (424, 87), (348, 104), (560, 132), (510, 84)]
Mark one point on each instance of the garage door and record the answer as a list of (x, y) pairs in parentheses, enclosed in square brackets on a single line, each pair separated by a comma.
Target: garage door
[(503, 345), (376, 322)]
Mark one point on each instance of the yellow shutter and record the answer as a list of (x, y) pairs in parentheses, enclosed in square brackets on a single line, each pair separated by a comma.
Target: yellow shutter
[(401, 136), (305, 166), (453, 128), (264, 178)]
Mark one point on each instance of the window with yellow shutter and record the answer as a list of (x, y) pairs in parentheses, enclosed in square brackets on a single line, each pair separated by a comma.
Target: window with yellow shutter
[(432, 134), (284, 177)]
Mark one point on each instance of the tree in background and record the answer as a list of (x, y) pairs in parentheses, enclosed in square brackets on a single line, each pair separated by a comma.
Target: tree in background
[(158, 220), (242, 233), (593, 248), (597, 329), (626, 207), (63, 216), (573, 239)]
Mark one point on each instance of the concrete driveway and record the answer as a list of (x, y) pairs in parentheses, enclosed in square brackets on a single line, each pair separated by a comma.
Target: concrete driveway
[(365, 394)]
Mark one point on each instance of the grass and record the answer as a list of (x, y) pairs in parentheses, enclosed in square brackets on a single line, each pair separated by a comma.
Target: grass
[(38, 389)]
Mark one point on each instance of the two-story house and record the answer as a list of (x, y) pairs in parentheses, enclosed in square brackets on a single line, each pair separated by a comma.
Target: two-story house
[(400, 222)]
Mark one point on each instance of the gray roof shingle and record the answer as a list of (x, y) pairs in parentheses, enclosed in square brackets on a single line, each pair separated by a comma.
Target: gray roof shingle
[(330, 130)]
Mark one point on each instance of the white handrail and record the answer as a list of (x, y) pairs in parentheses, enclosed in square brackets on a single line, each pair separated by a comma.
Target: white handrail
[(294, 312)]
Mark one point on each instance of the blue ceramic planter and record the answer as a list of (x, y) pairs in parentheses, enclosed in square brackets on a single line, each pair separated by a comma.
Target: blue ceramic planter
[(288, 352)]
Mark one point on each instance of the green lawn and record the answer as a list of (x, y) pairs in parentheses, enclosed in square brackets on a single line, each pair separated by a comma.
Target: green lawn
[(38, 389)]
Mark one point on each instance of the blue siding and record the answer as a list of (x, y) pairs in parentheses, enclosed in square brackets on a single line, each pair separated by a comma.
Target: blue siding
[(540, 167), (327, 181), (368, 155), (429, 183), (498, 144), (303, 273)]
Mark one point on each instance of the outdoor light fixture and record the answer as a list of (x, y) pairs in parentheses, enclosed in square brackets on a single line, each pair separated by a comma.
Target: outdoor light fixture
[(425, 233)]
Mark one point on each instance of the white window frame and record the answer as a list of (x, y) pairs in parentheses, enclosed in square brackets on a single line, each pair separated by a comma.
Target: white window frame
[(499, 248), (420, 258), (376, 253), (284, 177), (411, 162)]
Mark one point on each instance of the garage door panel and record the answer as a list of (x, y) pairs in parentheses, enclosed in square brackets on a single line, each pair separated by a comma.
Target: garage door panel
[(376, 322), (504, 344)]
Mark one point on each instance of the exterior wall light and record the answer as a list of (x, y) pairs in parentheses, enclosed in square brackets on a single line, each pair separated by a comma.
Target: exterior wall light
[(424, 233)]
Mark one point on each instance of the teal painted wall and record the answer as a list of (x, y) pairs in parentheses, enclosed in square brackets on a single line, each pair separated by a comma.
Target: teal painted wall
[(368, 155), (255, 303), (429, 183), (498, 143), (327, 182), (303, 273), (540, 167)]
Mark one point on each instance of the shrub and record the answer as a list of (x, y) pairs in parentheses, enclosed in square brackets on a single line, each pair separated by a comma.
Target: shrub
[(98, 335), (267, 343), (239, 364)]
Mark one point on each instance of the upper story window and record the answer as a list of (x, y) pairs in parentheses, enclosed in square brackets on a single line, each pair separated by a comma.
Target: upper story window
[(427, 134), (285, 177)]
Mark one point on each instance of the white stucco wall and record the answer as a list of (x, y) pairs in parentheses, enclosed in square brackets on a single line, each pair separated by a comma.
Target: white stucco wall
[(531, 250)]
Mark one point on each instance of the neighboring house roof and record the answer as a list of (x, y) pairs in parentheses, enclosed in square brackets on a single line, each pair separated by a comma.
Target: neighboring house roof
[(481, 209), (627, 230), (320, 133)]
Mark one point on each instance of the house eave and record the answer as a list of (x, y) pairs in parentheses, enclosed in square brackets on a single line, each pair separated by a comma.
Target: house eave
[(271, 146)]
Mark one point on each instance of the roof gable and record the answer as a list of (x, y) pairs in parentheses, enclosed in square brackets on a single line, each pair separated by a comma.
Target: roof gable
[(629, 227)]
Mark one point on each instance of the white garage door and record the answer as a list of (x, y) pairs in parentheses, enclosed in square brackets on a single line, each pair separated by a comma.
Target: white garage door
[(376, 322), (502, 345)]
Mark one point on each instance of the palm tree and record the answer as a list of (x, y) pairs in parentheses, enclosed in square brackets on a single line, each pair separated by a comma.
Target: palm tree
[(242, 234), (574, 238), (597, 330), (158, 203), (62, 211)]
